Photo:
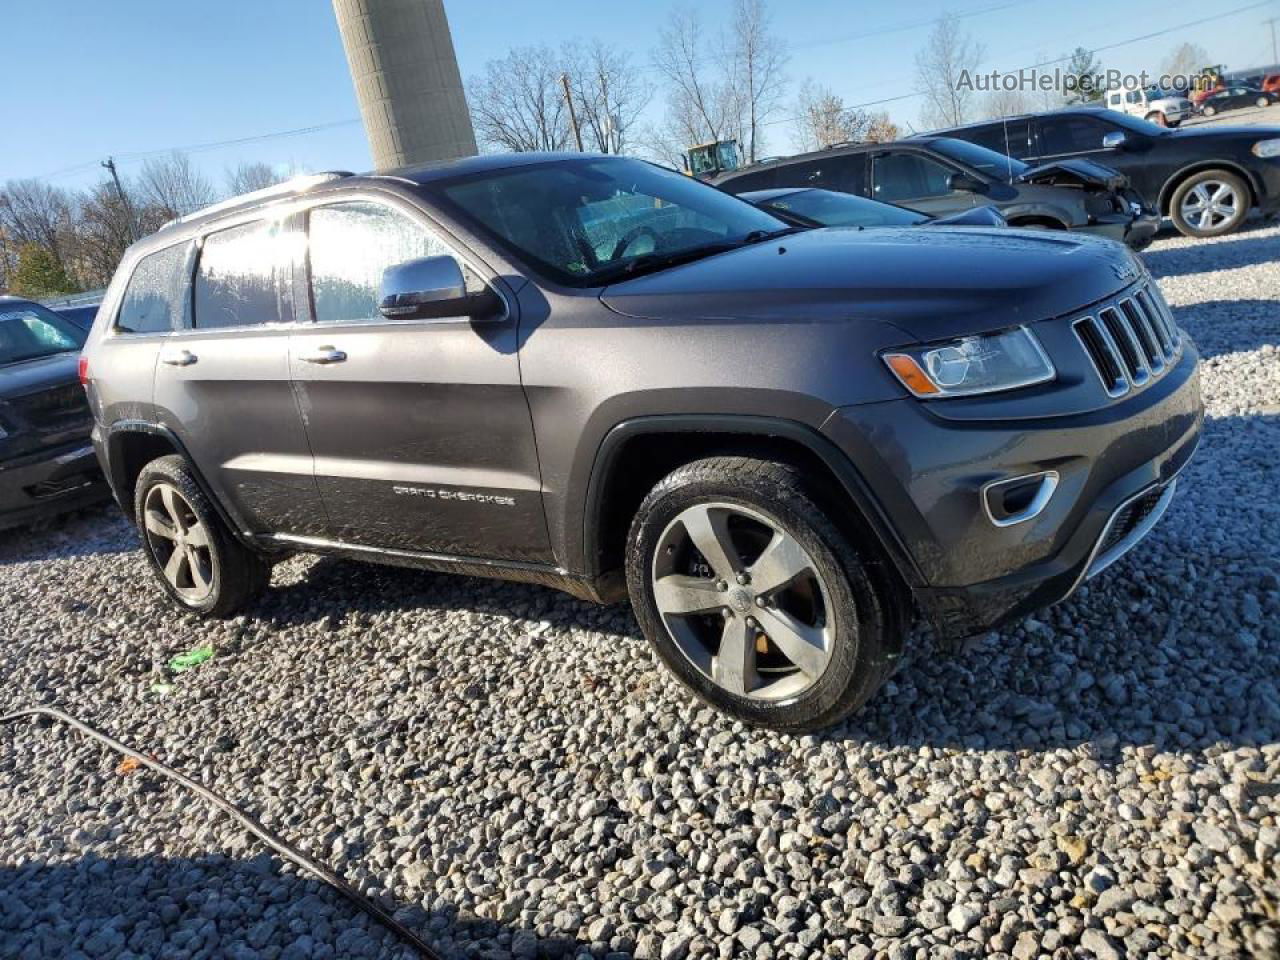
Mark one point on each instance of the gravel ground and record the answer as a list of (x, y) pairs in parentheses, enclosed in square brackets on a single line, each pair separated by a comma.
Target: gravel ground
[(509, 769)]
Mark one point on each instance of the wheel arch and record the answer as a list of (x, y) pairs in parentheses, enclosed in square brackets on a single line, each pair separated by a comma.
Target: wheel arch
[(635, 454), (1176, 180), (132, 444)]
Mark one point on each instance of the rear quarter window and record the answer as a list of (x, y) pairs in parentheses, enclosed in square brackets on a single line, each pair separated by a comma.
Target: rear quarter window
[(156, 297)]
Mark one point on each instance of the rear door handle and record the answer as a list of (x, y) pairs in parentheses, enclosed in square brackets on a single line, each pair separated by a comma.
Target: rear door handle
[(183, 358), (324, 355)]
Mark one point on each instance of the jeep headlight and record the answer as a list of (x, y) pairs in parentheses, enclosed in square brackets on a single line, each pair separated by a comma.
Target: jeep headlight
[(1267, 148), (978, 364)]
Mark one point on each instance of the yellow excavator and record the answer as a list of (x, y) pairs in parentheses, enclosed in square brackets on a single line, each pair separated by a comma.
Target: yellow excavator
[(706, 160)]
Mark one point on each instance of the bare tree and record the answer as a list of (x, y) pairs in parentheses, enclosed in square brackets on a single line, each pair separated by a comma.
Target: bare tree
[(1187, 60), (700, 102), (104, 231), (33, 212), (518, 102), (822, 119), (173, 186), (755, 60), (948, 57), (1006, 103), (608, 94), (247, 177)]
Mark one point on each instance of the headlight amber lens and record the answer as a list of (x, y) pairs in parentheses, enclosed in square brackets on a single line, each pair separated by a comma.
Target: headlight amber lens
[(971, 365)]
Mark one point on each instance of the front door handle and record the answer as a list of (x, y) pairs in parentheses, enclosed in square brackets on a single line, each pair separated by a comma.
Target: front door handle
[(183, 358), (324, 355)]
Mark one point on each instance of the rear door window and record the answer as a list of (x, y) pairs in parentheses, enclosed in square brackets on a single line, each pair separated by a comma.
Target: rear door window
[(1012, 139), (841, 172), (1064, 135), (155, 301), (755, 180), (908, 176), (239, 280)]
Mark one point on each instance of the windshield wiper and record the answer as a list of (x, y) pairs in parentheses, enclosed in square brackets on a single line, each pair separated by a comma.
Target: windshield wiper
[(758, 236)]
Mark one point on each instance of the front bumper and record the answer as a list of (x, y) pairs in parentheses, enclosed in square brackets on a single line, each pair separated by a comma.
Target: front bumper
[(1134, 230), (49, 481), (1115, 468)]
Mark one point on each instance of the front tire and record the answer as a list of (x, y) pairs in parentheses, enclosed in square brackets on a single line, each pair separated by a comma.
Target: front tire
[(200, 565), (754, 598), (1210, 204), (1210, 111), (1262, 102)]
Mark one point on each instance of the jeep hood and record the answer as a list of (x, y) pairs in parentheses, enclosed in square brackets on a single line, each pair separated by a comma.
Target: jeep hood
[(928, 283), (1075, 173)]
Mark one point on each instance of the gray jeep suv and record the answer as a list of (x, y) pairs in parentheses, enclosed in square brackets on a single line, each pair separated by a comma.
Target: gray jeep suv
[(596, 374)]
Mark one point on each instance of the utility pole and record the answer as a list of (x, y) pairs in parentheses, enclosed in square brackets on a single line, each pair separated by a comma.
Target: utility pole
[(1275, 53), (110, 164), (573, 116)]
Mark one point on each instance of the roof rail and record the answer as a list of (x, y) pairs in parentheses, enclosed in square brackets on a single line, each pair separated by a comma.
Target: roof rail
[(291, 186)]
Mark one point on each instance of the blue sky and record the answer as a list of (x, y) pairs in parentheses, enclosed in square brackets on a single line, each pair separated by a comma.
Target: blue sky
[(94, 79)]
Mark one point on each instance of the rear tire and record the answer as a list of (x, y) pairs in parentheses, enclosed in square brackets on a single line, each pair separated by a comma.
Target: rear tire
[(201, 566), (1262, 102), (776, 569), (1210, 111)]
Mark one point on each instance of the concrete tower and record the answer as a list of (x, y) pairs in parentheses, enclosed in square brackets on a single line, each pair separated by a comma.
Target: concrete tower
[(407, 80)]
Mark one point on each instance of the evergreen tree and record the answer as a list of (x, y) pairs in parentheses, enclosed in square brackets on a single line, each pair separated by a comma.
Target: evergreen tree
[(39, 274)]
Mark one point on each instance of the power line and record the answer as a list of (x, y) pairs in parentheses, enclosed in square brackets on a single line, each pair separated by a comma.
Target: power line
[(1063, 59), (205, 146)]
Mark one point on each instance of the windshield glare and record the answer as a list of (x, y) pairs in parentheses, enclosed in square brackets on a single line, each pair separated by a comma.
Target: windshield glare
[(29, 331), (582, 222), (980, 158), (833, 209)]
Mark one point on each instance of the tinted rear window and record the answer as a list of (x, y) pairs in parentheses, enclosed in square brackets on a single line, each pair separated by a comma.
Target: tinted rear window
[(155, 299)]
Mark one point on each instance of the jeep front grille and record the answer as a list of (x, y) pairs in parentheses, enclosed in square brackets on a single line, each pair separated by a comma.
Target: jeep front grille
[(1131, 341)]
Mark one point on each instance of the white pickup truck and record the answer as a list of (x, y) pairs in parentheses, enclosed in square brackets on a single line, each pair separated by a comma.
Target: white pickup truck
[(1166, 108)]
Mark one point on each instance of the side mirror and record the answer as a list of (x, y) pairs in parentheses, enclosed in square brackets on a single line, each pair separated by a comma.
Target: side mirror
[(962, 181), (432, 287), (1115, 140)]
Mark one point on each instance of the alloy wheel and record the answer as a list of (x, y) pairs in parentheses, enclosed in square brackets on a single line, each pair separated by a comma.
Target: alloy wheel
[(743, 601), (1209, 204), (180, 543)]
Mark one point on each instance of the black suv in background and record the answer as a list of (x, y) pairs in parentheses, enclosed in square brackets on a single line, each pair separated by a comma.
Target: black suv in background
[(596, 374), (942, 176), (1206, 179)]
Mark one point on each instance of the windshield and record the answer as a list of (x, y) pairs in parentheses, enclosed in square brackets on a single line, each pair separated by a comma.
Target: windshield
[(831, 209), (592, 221), (979, 158), (29, 331)]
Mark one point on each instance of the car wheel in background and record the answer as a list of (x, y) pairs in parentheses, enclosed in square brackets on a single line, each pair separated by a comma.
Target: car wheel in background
[(200, 565), (754, 598), (1209, 204), (1158, 118), (1263, 101), (1209, 111)]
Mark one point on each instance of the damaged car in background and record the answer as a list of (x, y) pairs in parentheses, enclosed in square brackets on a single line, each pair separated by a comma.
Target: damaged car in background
[(943, 176)]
